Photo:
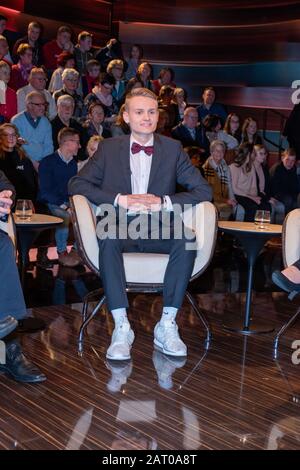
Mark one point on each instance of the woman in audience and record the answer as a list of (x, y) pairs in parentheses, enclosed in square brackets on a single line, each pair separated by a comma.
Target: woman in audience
[(166, 77), (135, 58), (131, 84), (232, 126), (163, 126), (102, 93), (70, 79), (91, 77), (65, 60), (115, 68), (8, 108), (248, 182), (217, 173), (260, 157), (120, 127), (178, 103), (164, 102), (249, 132), (145, 74), (93, 124), (20, 71), (91, 149), (213, 127)]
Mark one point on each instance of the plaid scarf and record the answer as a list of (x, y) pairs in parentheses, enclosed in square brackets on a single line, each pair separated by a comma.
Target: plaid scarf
[(211, 170)]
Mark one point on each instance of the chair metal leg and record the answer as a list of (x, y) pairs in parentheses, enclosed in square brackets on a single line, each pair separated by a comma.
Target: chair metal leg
[(88, 298), (201, 318), (86, 322), (282, 331)]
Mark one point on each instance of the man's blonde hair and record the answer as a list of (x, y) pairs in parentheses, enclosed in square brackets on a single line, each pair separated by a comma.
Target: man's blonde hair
[(144, 92)]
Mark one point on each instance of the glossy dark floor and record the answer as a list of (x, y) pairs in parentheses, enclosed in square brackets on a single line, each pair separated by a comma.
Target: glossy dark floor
[(234, 397)]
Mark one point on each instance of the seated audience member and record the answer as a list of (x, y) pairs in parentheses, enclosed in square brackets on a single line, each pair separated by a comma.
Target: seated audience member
[(37, 82), (248, 183), (102, 93), (115, 68), (132, 84), (232, 127), (166, 77), (145, 74), (163, 127), (4, 50), (32, 38), (209, 106), (112, 50), (52, 49), (284, 181), (65, 60), (196, 157), (164, 102), (91, 77), (135, 58), (249, 132), (120, 127), (178, 103), (291, 130), (93, 124), (20, 72), (21, 173), (260, 156), (35, 128), (288, 279), (55, 171), (83, 51), (213, 128), (16, 365), (70, 79), (91, 148), (8, 102), (65, 111), (190, 132), (217, 173)]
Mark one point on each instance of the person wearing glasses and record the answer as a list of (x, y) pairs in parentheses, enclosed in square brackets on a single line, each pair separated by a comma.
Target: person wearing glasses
[(34, 128), (116, 69), (70, 79), (37, 82)]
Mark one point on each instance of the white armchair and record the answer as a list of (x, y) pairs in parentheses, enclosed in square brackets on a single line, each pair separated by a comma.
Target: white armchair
[(144, 271), (290, 254)]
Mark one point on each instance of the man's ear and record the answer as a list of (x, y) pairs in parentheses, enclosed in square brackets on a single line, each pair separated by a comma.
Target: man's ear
[(126, 117)]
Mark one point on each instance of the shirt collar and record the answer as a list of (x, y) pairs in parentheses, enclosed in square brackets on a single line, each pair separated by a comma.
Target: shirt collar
[(63, 158), (149, 142)]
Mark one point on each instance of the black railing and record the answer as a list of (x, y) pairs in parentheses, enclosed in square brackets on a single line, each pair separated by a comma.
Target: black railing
[(282, 119)]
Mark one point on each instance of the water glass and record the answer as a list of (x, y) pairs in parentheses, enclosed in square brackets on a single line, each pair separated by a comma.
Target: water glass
[(262, 219), (24, 209)]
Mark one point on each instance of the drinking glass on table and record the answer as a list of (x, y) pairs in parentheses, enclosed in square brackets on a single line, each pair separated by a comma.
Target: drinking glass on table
[(24, 209), (262, 219)]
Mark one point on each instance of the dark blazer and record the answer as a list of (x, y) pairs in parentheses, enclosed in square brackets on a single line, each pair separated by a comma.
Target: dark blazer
[(6, 184), (108, 173), (181, 133)]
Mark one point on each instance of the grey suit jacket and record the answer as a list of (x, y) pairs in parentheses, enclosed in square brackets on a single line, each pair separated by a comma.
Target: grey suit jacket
[(108, 173)]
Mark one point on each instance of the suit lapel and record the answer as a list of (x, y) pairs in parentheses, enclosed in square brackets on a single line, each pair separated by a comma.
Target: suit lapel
[(157, 159), (125, 163)]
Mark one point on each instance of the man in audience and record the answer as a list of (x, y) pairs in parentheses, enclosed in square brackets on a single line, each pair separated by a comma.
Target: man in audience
[(4, 51), (12, 302), (35, 128), (37, 82), (190, 132), (284, 181), (55, 171), (209, 106), (10, 36), (52, 49), (83, 51), (33, 39), (139, 172)]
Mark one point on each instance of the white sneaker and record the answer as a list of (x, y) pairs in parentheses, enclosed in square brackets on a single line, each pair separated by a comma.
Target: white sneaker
[(165, 367), (121, 342), (167, 339)]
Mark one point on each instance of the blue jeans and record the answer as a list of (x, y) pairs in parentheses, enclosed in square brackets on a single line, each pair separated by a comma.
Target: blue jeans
[(62, 232)]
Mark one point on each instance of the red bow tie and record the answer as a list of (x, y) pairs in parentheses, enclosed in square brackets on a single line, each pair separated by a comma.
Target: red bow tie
[(136, 148)]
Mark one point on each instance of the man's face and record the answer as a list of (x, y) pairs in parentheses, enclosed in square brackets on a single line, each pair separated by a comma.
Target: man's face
[(2, 26), (94, 71), (86, 44), (73, 145), (191, 119), (65, 111), (33, 33), (209, 97), (288, 161), (142, 115), (38, 81), (37, 106), (64, 38)]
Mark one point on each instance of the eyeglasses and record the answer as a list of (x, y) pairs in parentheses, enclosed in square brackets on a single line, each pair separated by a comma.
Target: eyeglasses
[(9, 135), (39, 104)]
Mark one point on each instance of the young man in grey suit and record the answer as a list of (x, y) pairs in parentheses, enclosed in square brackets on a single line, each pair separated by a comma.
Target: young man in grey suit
[(138, 173)]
